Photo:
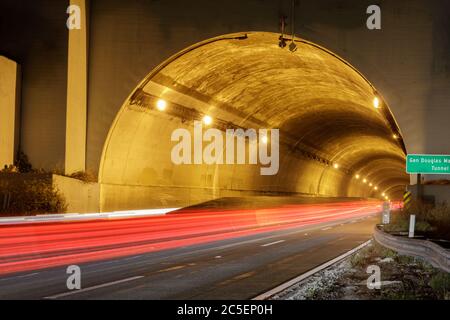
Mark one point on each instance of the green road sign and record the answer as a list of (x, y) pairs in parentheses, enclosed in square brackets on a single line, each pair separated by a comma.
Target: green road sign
[(427, 164)]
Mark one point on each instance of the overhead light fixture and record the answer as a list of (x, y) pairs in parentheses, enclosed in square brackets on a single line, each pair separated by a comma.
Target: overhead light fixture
[(376, 188), (376, 102), (161, 105), (395, 136), (357, 177), (292, 46), (336, 166), (207, 120), (370, 184), (282, 44), (365, 180)]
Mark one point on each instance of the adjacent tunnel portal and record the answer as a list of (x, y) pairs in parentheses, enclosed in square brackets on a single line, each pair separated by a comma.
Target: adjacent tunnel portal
[(337, 134)]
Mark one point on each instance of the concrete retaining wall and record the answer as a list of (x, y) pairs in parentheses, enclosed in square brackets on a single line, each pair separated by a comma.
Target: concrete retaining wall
[(81, 197), (435, 193), (431, 252)]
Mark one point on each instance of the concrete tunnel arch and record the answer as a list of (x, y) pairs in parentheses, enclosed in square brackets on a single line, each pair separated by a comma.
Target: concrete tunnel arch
[(322, 105)]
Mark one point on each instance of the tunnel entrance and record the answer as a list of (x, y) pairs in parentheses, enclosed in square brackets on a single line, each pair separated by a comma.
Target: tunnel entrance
[(337, 136)]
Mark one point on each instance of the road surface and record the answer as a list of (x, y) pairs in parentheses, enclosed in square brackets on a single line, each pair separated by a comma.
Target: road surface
[(211, 254)]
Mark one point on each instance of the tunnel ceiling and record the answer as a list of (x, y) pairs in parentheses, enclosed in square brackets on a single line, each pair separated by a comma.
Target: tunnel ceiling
[(310, 94), (319, 102)]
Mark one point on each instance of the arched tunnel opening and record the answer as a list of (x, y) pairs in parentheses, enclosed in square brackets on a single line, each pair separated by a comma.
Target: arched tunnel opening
[(337, 136)]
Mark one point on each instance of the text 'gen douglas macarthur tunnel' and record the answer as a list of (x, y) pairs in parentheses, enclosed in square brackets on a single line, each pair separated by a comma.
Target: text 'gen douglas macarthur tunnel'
[(333, 139)]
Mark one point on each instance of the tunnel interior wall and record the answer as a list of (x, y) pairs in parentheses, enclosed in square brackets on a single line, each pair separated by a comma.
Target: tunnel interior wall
[(160, 183)]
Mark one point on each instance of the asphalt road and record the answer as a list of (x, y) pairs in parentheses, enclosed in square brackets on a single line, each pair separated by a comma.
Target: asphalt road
[(238, 267)]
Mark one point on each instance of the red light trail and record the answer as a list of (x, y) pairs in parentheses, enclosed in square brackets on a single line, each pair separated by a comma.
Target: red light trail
[(45, 245)]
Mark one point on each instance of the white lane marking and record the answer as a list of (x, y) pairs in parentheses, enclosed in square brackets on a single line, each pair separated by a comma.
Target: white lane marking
[(302, 277), (132, 258), (218, 257), (66, 294), (273, 243), (29, 275), (328, 228)]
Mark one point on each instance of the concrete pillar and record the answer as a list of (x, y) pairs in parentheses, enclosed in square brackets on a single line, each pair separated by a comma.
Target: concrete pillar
[(76, 116), (9, 110)]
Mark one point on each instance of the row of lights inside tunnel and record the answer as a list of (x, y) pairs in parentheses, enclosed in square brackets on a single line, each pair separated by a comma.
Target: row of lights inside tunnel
[(161, 105), (371, 185), (207, 120), (377, 105)]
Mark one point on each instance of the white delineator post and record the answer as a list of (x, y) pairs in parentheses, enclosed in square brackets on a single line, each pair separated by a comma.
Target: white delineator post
[(412, 225), (386, 213)]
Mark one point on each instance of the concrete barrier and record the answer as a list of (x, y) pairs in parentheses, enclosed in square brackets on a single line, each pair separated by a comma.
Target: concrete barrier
[(427, 250), (73, 217), (80, 196)]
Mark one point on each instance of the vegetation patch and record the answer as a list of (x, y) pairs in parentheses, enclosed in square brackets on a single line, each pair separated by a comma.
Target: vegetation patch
[(401, 278), (432, 222), (29, 194), (25, 191)]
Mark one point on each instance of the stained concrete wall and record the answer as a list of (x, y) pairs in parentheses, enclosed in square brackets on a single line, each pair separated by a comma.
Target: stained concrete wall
[(408, 60), (10, 79), (81, 197), (34, 34), (437, 194)]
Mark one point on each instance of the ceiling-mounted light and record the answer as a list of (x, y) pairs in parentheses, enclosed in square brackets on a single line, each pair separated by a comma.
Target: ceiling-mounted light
[(207, 120), (376, 102), (161, 105)]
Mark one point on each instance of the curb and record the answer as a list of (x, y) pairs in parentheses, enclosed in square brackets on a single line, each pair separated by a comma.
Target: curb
[(73, 217), (290, 283), (437, 256)]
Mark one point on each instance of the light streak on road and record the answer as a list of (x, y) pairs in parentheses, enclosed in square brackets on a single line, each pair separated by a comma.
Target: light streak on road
[(43, 245)]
